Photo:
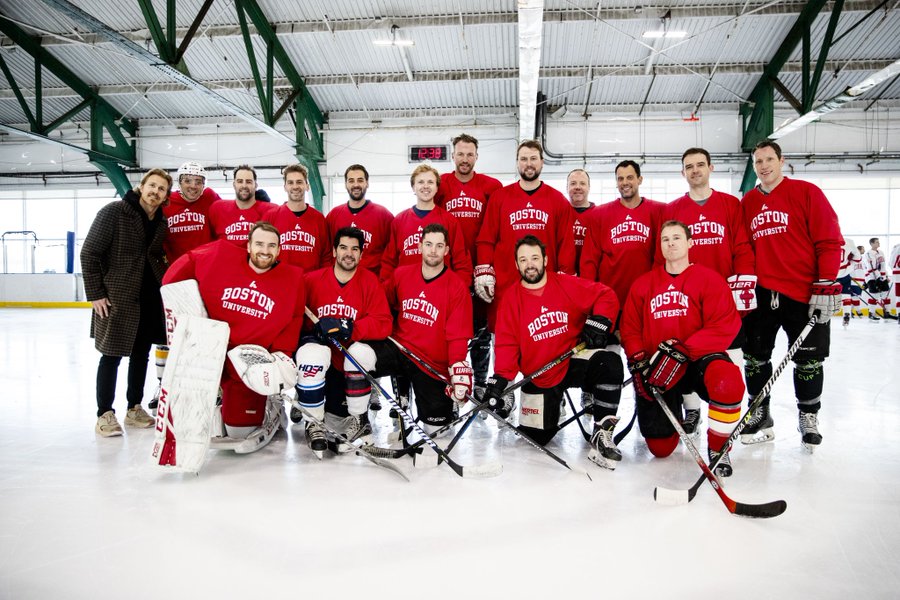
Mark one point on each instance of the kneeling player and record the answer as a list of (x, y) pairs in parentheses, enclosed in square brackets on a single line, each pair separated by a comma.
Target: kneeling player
[(676, 327), (541, 318)]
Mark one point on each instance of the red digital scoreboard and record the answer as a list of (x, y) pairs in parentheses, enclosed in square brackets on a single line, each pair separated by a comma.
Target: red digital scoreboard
[(421, 153)]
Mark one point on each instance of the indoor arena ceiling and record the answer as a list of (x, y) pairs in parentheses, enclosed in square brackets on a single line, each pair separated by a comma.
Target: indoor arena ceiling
[(465, 58)]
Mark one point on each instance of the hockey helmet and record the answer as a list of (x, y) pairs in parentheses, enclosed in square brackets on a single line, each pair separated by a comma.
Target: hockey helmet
[(192, 168)]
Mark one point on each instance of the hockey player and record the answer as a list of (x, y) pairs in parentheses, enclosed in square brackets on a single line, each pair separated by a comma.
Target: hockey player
[(540, 318), (526, 206), (849, 289), (858, 278), (372, 219), (619, 244), (262, 301), (403, 247), (350, 301), (719, 241), (187, 212), (234, 220), (304, 235), (465, 194), (787, 217), (578, 186), (676, 326), (895, 271), (876, 280)]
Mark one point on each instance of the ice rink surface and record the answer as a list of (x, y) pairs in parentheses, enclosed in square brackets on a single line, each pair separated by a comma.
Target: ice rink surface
[(87, 517)]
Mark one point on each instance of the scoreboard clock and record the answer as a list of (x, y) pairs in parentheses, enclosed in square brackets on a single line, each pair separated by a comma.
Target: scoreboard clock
[(420, 153)]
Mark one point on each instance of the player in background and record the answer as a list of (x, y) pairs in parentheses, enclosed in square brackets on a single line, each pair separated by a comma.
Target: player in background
[(876, 280), (620, 241), (578, 187), (849, 289), (464, 194), (403, 247), (894, 264), (858, 278), (374, 220), (677, 324), (349, 300), (789, 218), (720, 242), (233, 221), (542, 317), (304, 235), (262, 301)]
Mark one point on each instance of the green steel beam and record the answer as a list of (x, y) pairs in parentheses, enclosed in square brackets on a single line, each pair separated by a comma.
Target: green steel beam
[(15, 89), (156, 31), (165, 40), (113, 171), (192, 30), (813, 87)]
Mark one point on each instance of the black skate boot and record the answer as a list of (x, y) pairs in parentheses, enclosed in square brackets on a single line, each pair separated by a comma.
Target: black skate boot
[(691, 422), (723, 469), (603, 448), (316, 439), (809, 429), (759, 428)]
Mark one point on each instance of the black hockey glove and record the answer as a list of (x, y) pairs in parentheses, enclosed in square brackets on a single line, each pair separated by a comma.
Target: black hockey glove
[(493, 395), (596, 331), (340, 329)]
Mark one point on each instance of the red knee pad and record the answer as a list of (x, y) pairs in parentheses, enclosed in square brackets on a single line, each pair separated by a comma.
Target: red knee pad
[(724, 382), (662, 447)]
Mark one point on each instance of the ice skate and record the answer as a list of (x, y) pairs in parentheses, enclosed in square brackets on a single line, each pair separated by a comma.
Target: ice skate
[(691, 422), (603, 450), (809, 429), (759, 428), (723, 469), (315, 439)]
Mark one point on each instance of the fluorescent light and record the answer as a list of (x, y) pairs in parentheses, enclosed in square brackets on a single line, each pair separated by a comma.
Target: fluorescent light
[(402, 43), (665, 34), (654, 34)]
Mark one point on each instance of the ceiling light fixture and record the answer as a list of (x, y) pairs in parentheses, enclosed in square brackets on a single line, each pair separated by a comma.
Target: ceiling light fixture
[(664, 34), (394, 41)]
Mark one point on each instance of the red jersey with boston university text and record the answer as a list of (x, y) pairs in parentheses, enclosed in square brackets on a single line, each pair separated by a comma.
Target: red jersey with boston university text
[(512, 214), (536, 326), (361, 299), (260, 308), (579, 229), (406, 233), (233, 224), (304, 239), (373, 220), (620, 243), (695, 306), (467, 202), (188, 223), (434, 317)]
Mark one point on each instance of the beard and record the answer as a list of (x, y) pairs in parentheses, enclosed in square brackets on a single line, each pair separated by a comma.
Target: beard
[(532, 275), (347, 264), (357, 193), (432, 261), (534, 177), (262, 261)]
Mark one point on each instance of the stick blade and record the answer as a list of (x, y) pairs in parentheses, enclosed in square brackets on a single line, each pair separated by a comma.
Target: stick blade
[(760, 511), (484, 471)]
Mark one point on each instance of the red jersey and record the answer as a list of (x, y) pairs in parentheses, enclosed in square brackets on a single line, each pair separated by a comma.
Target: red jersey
[(304, 240), (361, 299), (434, 317), (188, 223), (695, 306), (536, 326), (719, 233), (260, 308), (579, 229), (620, 243), (375, 222), (233, 224), (406, 233), (514, 213), (795, 235), (466, 201)]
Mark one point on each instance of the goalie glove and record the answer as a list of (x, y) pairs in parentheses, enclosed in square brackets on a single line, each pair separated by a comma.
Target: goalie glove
[(596, 331), (668, 365), (485, 281), (340, 329), (460, 381), (743, 290), (825, 298), (258, 369), (286, 368)]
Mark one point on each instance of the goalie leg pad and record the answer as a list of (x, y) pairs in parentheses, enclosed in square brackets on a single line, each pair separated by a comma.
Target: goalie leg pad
[(181, 299), (358, 387), (312, 365)]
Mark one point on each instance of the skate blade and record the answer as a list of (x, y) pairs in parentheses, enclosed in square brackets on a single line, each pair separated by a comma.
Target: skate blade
[(601, 461), (810, 448), (764, 435)]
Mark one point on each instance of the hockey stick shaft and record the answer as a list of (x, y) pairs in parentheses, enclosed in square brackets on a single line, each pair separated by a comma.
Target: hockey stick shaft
[(618, 438)]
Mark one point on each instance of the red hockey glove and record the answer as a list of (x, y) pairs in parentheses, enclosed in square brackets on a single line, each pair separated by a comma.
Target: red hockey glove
[(825, 298), (638, 363), (668, 365), (485, 281), (460, 382)]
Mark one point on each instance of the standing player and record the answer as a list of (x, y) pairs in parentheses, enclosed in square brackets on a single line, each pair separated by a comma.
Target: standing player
[(187, 212), (719, 241), (620, 241), (541, 318), (349, 300), (895, 272), (262, 301), (858, 279), (578, 186), (464, 194), (876, 280), (233, 221), (304, 235), (787, 217), (849, 289), (404, 248), (676, 326), (372, 219)]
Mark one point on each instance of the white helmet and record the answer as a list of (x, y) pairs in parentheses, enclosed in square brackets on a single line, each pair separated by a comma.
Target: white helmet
[(191, 168)]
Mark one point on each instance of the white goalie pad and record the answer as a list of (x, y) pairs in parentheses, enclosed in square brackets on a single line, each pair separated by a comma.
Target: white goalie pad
[(181, 298), (190, 387)]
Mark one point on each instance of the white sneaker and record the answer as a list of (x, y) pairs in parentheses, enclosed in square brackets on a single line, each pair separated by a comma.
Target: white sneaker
[(107, 425), (138, 417)]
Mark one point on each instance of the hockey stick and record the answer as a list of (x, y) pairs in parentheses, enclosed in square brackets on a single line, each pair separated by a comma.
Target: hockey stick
[(619, 436), (483, 406), (489, 470), (672, 497), (759, 511)]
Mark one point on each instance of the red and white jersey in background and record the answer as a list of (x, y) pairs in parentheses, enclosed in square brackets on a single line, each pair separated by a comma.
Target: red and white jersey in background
[(260, 308), (579, 229), (874, 264), (406, 233), (894, 264), (467, 202), (434, 317), (695, 306), (304, 240), (718, 232), (361, 299), (795, 236), (188, 223), (231, 223), (848, 256), (373, 220), (536, 326), (620, 243), (512, 214)]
